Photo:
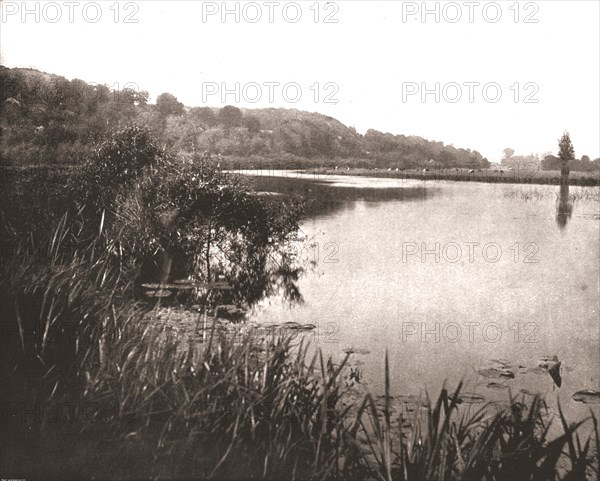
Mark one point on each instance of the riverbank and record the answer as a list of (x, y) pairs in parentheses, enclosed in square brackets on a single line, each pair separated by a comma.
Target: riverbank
[(434, 174), (467, 175)]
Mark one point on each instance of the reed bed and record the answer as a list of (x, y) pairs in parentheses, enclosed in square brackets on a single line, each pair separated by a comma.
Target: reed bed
[(146, 407)]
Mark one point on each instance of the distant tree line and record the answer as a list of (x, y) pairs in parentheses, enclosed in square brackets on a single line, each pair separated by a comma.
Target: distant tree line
[(47, 119), (547, 161)]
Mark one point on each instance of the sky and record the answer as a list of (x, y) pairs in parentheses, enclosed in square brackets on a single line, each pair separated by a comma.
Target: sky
[(475, 74)]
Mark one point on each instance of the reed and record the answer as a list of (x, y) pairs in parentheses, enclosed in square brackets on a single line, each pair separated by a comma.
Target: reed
[(148, 405)]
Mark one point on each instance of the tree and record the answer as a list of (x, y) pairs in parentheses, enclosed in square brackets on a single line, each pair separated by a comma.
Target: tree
[(566, 152), (551, 162), (230, 116), (252, 123), (507, 159), (194, 220), (508, 153), (141, 97), (118, 163), (186, 219), (204, 115), (585, 158), (208, 140), (167, 104)]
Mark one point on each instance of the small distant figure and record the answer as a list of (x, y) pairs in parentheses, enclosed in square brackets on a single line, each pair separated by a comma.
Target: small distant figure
[(471, 171), (336, 167), (347, 168), (396, 169), (425, 170), (389, 169)]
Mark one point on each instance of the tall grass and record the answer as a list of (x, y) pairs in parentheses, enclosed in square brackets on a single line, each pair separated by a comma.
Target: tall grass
[(226, 409), (148, 405), (511, 444)]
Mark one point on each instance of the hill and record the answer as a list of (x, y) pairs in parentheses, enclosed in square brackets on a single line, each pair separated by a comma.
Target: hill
[(48, 119)]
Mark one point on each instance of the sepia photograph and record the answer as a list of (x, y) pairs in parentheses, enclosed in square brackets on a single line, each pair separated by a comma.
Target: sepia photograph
[(300, 240)]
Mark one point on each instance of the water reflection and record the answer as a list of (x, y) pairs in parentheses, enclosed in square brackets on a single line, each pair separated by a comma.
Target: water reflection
[(564, 209), (325, 198), (274, 270)]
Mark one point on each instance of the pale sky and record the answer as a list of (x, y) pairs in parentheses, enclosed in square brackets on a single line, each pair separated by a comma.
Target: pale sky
[(374, 61)]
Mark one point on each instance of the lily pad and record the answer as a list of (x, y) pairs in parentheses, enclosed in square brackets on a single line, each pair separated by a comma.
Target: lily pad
[(494, 373), (496, 385), (471, 398), (587, 396), (503, 363), (296, 326)]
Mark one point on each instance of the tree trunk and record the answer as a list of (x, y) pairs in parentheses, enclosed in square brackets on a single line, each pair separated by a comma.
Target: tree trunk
[(207, 258), (167, 261), (564, 174)]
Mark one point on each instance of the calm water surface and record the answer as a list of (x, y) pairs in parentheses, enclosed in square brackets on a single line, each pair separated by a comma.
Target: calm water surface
[(451, 278)]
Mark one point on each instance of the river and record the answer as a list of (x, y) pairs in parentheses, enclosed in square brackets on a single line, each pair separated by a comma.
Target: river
[(457, 280)]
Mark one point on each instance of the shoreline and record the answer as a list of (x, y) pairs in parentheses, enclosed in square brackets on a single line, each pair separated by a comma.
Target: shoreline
[(489, 177), (547, 177)]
